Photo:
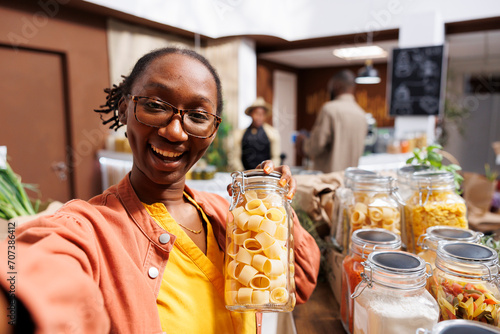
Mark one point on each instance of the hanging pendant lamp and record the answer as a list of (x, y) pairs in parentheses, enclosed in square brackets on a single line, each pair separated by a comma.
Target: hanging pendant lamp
[(368, 74)]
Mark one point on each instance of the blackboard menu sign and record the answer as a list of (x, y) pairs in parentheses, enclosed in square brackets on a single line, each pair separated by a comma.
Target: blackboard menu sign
[(417, 81)]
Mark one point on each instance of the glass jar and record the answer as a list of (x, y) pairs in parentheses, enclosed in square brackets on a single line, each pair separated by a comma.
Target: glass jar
[(465, 282), (433, 202), (459, 326), (392, 298), (259, 263), (428, 242), (344, 194), (404, 175), (374, 204), (363, 242)]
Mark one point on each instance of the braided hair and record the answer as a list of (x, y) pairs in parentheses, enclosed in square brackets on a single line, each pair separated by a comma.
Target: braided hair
[(116, 93)]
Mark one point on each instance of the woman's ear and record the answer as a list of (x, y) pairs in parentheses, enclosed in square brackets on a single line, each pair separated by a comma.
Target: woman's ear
[(122, 110)]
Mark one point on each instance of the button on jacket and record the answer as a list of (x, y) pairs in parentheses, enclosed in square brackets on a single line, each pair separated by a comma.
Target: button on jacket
[(96, 266)]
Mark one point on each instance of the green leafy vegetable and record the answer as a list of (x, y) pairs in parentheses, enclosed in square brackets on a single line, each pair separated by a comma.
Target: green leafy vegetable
[(14, 201), (430, 156)]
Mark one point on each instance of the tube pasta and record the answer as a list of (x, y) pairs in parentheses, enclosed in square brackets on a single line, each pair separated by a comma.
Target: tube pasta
[(274, 268), (232, 250), (372, 209), (259, 262), (268, 226), (244, 256), (260, 297), (274, 215), (257, 255), (256, 207), (252, 246), (245, 295), (260, 282), (246, 274), (273, 251), (242, 220), (254, 223), (264, 239), (281, 233), (279, 295), (277, 282), (239, 237), (375, 214)]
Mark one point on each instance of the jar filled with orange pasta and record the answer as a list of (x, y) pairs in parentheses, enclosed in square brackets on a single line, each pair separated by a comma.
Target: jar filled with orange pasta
[(374, 204), (259, 263), (433, 201)]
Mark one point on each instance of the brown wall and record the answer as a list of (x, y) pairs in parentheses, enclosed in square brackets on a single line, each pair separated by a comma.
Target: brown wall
[(265, 80), (80, 39)]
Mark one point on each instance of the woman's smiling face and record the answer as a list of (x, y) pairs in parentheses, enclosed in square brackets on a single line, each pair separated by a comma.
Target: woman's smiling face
[(164, 155)]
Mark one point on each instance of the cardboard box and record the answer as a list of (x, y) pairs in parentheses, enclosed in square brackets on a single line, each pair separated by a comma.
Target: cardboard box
[(334, 272)]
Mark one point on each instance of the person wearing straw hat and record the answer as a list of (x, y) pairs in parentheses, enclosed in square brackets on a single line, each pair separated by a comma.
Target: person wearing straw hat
[(259, 142)]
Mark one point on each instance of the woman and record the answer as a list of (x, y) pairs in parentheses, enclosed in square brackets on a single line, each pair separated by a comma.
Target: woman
[(146, 256)]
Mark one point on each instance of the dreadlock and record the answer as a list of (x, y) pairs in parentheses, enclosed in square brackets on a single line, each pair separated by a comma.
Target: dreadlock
[(116, 93)]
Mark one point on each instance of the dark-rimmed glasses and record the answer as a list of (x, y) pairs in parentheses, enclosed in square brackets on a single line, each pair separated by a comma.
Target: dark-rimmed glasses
[(157, 113)]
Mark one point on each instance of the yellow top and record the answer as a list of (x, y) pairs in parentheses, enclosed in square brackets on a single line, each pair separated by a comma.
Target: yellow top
[(191, 297)]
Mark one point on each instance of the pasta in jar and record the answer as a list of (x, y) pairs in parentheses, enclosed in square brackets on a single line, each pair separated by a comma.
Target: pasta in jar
[(464, 282), (434, 202), (373, 204), (259, 262)]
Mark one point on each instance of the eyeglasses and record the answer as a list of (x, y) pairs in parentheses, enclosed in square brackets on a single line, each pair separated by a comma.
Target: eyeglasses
[(157, 113)]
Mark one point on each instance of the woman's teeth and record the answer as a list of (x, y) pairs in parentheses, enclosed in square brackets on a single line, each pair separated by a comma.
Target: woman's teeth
[(166, 154)]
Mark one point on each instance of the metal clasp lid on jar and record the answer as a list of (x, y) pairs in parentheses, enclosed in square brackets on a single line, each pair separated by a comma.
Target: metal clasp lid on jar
[(430, 181), (257, 179), (351, 172), (468, 260), (393, 269), (373, 239), (459, 326), (434, 234)]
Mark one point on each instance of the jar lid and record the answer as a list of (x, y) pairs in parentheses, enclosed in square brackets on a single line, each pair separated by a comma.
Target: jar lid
[(393, 269), (372, 182), (466, 259), (397, 262), (433, 179), (351, 172), (367, 240), (461, 326), (434, 234), (467, 252), (405, 172)]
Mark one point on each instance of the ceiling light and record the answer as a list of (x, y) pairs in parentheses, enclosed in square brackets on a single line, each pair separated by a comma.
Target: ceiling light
[(367, 74), (360, 52)]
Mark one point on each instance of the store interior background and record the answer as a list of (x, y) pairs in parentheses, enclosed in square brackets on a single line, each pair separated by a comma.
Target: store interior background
[(56, 57)]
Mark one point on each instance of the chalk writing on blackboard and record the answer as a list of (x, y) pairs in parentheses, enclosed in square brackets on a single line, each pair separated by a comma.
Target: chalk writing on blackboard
[(416, 81)]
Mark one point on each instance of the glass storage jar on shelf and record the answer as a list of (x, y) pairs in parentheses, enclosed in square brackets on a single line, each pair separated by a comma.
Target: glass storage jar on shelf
[(363, 242), (374, 204), (459, 326), (404, 174), (259, 263), (344, 195), (465, 282), (392, 298), (433, 202), (428, 241)]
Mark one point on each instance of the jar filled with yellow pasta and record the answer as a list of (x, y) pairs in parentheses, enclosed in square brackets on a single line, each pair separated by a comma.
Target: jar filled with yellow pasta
[(433, 201), (374, 204), (465, 282), (344, 196), (259, 262)]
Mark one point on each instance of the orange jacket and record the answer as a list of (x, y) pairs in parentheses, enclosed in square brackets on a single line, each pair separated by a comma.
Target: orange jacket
[(89, 268)]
